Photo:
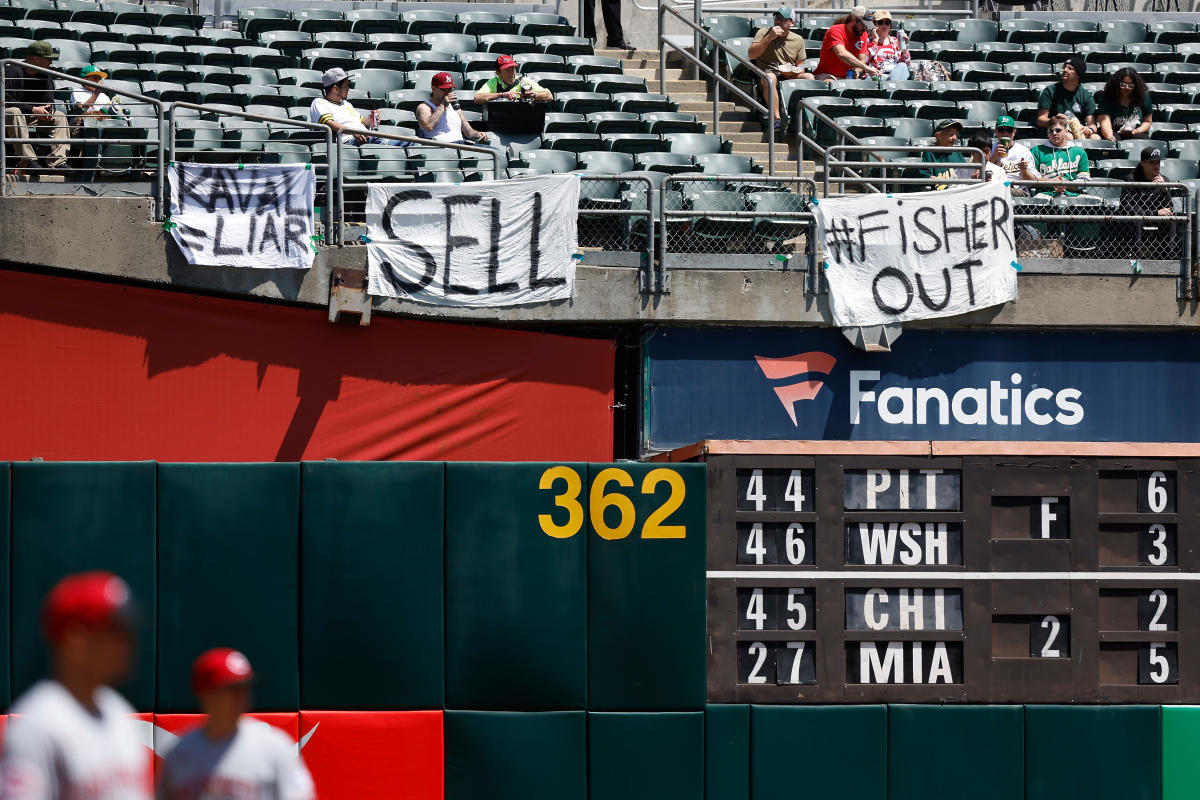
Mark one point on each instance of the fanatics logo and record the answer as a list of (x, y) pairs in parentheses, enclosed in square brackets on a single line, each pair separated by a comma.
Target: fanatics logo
[(790, 367)]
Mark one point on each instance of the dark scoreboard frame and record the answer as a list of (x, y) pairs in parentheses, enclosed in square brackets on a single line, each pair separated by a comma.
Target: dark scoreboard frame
[(1085, 576)]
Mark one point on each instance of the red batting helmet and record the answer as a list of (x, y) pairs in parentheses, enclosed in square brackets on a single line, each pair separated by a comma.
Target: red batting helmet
[(218, 668)]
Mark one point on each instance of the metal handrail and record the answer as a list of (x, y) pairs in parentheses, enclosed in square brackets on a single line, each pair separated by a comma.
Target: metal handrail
[(327, 210), (802, 139), (157, 104), (895, 148), (772, 102), (750, 8)]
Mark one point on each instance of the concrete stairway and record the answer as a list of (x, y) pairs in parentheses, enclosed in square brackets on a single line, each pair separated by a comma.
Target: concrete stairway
[(736, 123)]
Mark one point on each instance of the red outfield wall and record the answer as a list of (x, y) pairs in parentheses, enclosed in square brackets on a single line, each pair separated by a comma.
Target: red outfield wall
[(96, 371)]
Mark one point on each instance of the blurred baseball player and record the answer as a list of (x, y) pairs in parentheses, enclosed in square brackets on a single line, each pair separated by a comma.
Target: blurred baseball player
[(71, 737), (230, 757)]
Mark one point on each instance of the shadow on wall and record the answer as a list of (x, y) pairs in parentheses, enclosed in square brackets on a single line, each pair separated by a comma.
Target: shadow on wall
[(107, 372)]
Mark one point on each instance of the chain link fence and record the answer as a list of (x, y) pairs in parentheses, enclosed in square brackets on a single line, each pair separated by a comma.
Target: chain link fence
[(737, 221), (1104, 219)]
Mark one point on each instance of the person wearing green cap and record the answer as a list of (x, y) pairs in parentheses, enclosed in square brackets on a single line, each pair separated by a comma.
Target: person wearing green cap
[(88, 103), (29, 108), (1007, 153), (779, 52), (945, 134)]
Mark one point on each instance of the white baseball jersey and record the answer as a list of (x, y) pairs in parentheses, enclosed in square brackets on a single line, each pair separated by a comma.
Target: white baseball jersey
[(55, 749), (258, 762)]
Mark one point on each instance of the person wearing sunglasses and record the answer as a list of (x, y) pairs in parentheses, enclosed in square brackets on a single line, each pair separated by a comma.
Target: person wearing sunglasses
[(1070, 98), (1058, 160), (888, 53), (1125, 109)]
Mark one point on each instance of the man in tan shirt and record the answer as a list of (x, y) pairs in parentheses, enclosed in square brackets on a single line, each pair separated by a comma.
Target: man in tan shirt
[(779, 53)]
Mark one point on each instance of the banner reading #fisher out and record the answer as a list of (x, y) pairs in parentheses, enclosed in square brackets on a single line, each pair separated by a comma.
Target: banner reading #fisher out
[(894, 258), (490, 243)]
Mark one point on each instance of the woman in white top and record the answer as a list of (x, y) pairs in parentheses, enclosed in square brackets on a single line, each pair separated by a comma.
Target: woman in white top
[(886, 53)]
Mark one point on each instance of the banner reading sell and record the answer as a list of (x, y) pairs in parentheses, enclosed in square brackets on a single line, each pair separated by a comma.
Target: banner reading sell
[(258, 216), (893, 258), (491, 243)]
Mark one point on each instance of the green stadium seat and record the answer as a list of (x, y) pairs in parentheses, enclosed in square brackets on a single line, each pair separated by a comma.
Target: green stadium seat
[(949, 50), (975, 72), (668, 163), (479, 23), (981, 110), (604, 161), (642, 102), (664, 122), (1166, 94), (71, 50), (1123, 31), (615, 84), (372, 20), (254, 21), (540, 24), (12, 13), (268, 58), (776, 229), (1076, 32), (712, 221), (1004, 91), (140, 18), (603, 122), (561, 81), (1025, 30), (1100, 53), (377, 82), (1172, 32), (974, 30), (633, 143), (423, 79), (381, 59), (575, 142), (863, 126), (922, 29), (96, 15), (1052, 54), (1180, 169), (1000, 52), (508, 44), (1170, 131), (477, 61), (398, 42), (435, 60), (426, 21), (565, 46), (562, 122), (1183, 113), (305, 14), (451, 42), (1188, 150), (1024, 112), (47, 13), (323, 58), (880, 107), (475, 79), (220, 36), (856, 89), (1190, 92), (725, 27), (286, 153), (551, 161), (582, 102), (1029, 71), (696, 144), (931, 110)]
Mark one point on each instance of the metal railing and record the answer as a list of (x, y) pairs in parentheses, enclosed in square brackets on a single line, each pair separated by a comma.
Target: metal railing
[(82, 142), (738, 221), (971, 8), (803, 140), (714, 72), (833, 165)]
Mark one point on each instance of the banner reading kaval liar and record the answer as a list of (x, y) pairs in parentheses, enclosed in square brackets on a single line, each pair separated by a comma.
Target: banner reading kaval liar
[(893, 258), (258, 216), (491, 243)]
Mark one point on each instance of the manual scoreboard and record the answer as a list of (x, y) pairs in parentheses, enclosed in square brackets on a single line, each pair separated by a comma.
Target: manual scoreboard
[(975, 579)]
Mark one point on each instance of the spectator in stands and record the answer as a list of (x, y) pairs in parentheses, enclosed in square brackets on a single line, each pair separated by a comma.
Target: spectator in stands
[(1125, 111), (1068, 97), (1058, 159), (506, 84), (1007, 153), (1146, 201), (336, 111), (779, 52), (29, 110), (440, 119), (992, 172), (88, 103), (887, 53), (945, 134), (614, 33), (847, 34)]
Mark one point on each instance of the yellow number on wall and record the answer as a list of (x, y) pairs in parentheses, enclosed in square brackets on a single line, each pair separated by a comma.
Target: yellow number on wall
[(599, 501), (569, 499), (654, 528)]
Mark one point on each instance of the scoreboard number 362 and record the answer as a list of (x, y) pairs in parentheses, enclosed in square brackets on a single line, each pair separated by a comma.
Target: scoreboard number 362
[(610, 510)]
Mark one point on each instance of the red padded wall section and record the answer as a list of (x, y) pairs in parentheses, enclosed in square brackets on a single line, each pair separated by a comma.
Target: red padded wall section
[(97, 371), (359, 754)]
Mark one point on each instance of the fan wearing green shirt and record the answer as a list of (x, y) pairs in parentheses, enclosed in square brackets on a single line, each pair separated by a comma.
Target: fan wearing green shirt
[(1070, 98), (506, 84), (1057, 161)]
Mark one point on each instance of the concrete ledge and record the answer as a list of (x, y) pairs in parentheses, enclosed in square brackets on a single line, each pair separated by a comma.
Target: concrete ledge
[(115, 238)]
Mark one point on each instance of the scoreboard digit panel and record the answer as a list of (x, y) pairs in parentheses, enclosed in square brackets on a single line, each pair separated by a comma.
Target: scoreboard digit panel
[(975, 579)]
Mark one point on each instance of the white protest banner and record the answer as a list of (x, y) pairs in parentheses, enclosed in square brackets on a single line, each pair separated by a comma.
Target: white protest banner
[(491, 243), (893, 258), (257, 216)]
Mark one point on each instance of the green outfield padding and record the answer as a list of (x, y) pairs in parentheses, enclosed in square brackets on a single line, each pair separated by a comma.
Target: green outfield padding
[(981, 747), (1181, 752), (818, 751), (71, 517), (727, 752), (646, 596), (371, 607), (228, 575), (646, 756), (1094, 752), (5, 589), (499, 755), (516, 617)]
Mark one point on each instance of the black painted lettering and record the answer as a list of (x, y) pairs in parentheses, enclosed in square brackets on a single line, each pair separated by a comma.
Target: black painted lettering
[(978, 242), (903, 236), (219, 190), (494, 254), (908, 290), (453, 242), (966, 266), (218, 248), (927, 300), (948, 230), (291, 196), (270, 234), (1000, 204), (863, 230), (925, 229), (535, 250), (397, 199), (294, 230)]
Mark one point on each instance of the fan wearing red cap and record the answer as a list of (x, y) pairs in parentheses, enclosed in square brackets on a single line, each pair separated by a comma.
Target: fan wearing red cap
[(439, 118), (71, 735), (506, 84), (231, 757)]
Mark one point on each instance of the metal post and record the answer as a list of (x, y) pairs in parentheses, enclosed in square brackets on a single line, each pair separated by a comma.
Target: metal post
[(661, 268), (716, 90), (339, 220), (161, 164), (3, 133), (772, 108), (698, 18), (1190, 285), (662, 53)]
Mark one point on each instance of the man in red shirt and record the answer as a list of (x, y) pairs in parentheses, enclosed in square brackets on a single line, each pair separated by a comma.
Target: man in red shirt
[(844, 47)]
